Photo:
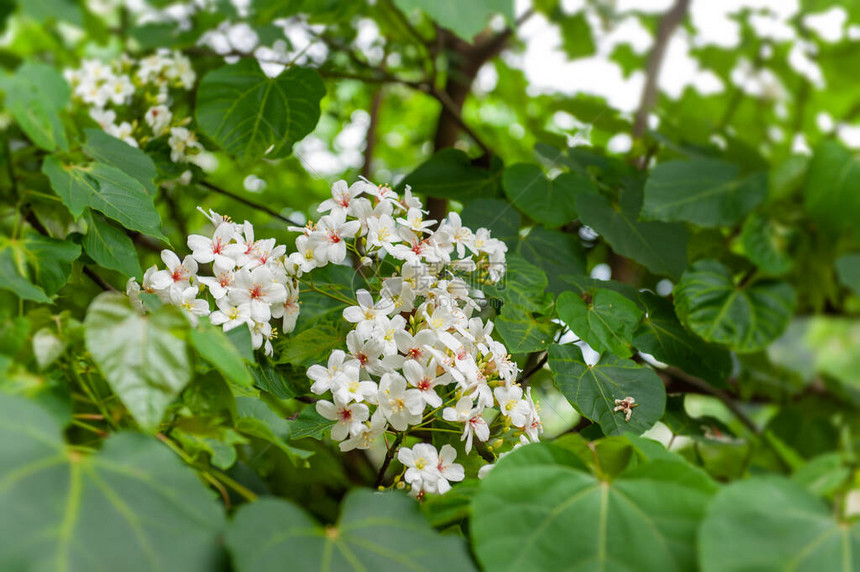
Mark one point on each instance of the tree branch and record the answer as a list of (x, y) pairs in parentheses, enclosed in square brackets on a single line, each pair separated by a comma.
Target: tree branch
[(248, 202), (526, 375), (670, 21), (387, 461), (367, 167)]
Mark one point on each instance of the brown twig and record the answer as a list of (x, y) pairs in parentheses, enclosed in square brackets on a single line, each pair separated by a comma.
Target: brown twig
[(670, 21), (526, 375), (248, 202), (387, 461)]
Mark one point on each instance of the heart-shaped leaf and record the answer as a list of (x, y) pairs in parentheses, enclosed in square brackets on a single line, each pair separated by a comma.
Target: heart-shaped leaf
[(558, 254), (144, 358), (771, 523), (594, 389), (745, 317), (520, 330), (550, 202), (132, 506), (538, 511), (707, 192), (252, 115), (606, 322), (381, 532)]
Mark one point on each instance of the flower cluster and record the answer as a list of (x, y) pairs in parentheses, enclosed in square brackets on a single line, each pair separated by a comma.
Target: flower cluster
[(252, 281), (131, 100), (417, 357)]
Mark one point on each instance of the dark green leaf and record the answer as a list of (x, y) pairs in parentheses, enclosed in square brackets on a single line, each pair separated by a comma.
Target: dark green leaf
[(660, 247), (36, 267), (109, 246), (111, 151), (745, 317), (251, 115), (706, 192), (35, 95), (594, 389), (663, 336), (107, 190), (606, 322), (450, 174), (548, 202), (521, 332), (497, 215), (310, 346), (766, 243), (534, 513), (558, 254), (774, 524), (523, 284), (376, 531), (831, 187), (848, 270)]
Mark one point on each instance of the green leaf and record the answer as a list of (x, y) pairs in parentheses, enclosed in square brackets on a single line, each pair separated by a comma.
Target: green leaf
[(497, 215), (144, 358), (251, 115), (117, 153), (257, 419), (594, 389), (547, 202), (107, 190), (830, 193), (376, 531), (109, 246), (766, 243), (48, 10), (309, 347), (132, 506), (706, 192), (466, 19), (284, 381), (521, 332), (745, 317), (848, 270), (771, 523), (660, 247), (577, 40), (450, 174), (558, 254), (663, 336), (607, 322), (535, 513), (215, 348), (523, 284), (35, 95), (36, 267)]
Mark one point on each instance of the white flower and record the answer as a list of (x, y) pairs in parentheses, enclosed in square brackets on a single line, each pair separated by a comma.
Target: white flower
[(230, 315), (415, 222), (289, 310), (178, 274), (424, 379), (119, 89), (331, 231), (463, 412), (355, 390), (421, 462), (366, 436), (402, 407), (259, 288), (181, 142), (219, 285), (381, 231), (219, 248), (336, 374), (367, 313), (306, 257), (188, 301), (341, 197), (512, 404), (349, 417), (158, 118), (448, 469), (104, 117), (122, 131), (415, 347)]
